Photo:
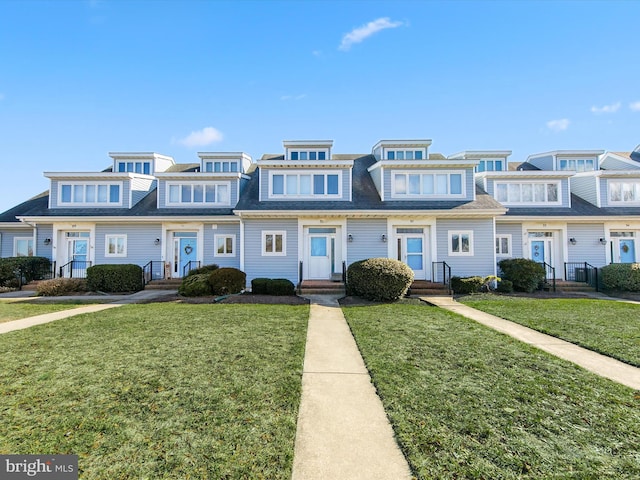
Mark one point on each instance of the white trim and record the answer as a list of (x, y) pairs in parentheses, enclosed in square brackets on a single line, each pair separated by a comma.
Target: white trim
[(233, 245), (311, 174), (273, 252), (22, 239), (460, 233), (558, 183), (109, 236), (636, 184), (509, 238), (73, 203), (434, 173), (192, 203)]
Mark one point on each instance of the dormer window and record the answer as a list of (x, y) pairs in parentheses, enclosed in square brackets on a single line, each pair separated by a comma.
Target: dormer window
[(577, 164), (221, 166), (90, 193), (308, 155), (135, 167), (404, 154), (490, 165)]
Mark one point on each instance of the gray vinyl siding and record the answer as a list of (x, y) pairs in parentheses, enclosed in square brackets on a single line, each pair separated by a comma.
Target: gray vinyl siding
[(210, 245), (42, 250), (515, 230), (587, 247), (367, 239), (377, 153), (346, 185), (256, 265), (6, 245), (482, 262), (585, 188), (140, 188), (55, 189), (141, 247), (468, 178), (376, 176), (543, 163), (610, 163), (162, 194)]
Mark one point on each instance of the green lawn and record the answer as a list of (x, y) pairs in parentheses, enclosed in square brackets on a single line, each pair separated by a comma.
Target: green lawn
[(15, 310), (605, 326), (468, 402), (159, 390)]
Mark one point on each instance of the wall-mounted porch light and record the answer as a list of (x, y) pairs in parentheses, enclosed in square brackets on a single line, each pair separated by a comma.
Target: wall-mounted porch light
[(602, 240), (350, 238), (384, 238), (156, 241), (573, 241), (47, 241)]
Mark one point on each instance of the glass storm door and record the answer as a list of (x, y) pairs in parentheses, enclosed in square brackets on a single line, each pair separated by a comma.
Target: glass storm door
[(185, 250), (320, 256), (410, 250), (78, 253), (627, 249)]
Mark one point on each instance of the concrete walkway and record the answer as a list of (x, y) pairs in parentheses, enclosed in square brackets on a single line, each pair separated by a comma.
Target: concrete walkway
[(594, 362), (115, 301), (343, 431)]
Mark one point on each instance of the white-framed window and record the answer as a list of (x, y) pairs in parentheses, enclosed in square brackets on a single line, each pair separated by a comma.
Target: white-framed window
[(436, 184), (135, 167), (305, 185), (461, 243), (542, 192), (503, 246), (402, 154), (274, 243), (199, 193), (23, 247), (225, 245), (90, 193), (221, 166), (624, 191), (577, 164), (308, 155), (490, 165), (115, 245)]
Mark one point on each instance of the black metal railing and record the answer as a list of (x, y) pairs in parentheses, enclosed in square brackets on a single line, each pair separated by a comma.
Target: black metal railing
[(154, 270), (550, 275), (74, 269), (344, 272), (190, 265), (581, 272), (300, 273), (441, 273)]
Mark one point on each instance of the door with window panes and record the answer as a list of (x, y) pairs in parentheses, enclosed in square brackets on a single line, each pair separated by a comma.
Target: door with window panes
[(410, 245)]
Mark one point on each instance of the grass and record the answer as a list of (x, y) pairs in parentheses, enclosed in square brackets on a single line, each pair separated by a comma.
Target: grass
[(608, 327), (468, 402), (10, 310), (158, 391)]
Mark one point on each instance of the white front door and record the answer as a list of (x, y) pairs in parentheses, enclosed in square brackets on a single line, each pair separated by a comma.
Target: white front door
[(321, 252), (77, 254), (410, 249)]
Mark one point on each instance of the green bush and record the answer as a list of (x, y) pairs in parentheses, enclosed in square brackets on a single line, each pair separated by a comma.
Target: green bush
[(622, 277), (115, 278), (195, 286), (259, 286), (379, 279), (466, 285), (31, 268), (227, 280), (203, 269), (526, 275), (505, 286), (61, 286), (280, 287)]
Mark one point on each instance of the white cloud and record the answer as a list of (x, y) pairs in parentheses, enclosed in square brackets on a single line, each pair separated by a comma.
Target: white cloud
[(614, 107), (558, 125), (293, 97), (317, 53), (357, 35), (635, 106), (200, 138)]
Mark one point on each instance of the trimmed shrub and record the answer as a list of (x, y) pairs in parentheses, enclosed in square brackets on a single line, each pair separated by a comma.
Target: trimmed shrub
[(227, 280), (31, 268), (621, 276), (526, 275), (379, 279), (465, 285), (115, 278), (61, 286), (195, 286), (259, 286), (203, 269), (505, 286), (280, 287)]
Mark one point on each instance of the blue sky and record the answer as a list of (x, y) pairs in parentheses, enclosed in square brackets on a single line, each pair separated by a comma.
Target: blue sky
[(79, 79)]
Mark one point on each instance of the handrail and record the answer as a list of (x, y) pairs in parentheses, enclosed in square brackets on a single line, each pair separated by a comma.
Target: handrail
[(581, 272), (548, 268), (300, 272), (187, 267), (79, 266), (147, 273), (344, 272), (446, 274)]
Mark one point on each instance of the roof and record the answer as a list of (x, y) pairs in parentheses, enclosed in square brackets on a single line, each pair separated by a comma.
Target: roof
[(183, 167), (579, 208), (35, 204)]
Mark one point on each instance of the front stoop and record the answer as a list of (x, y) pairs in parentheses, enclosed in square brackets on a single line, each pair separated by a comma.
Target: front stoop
[(422, 288), (166, 284), (321, 287), (566, 286)]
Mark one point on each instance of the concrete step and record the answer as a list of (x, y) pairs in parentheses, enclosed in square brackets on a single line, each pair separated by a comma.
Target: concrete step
[(168, 284)]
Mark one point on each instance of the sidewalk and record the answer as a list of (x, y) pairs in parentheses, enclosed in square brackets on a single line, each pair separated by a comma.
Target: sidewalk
[(594, 362), (343, 431), (111, 301)]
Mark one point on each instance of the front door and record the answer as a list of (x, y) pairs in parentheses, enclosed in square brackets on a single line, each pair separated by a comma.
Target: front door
[(542, 247), (410, 247), (185, 253), (321, 252), (627, 248), (77, 254)]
